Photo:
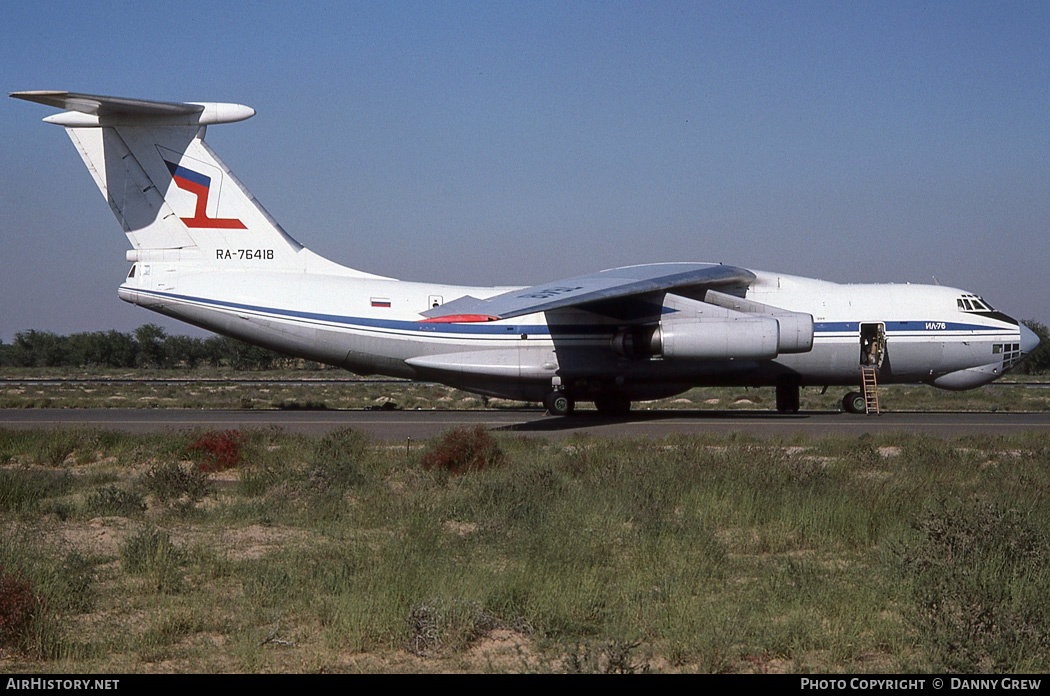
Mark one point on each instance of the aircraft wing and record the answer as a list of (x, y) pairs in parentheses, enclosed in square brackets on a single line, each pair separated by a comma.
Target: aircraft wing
[(612, 284)]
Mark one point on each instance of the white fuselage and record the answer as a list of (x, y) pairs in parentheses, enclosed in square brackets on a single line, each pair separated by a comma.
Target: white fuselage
[(372, 325)]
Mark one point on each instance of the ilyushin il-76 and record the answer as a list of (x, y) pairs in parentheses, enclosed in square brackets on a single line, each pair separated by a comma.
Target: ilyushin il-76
[(206, 252)]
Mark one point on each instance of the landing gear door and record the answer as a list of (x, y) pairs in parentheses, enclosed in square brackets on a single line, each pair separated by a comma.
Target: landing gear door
[(872, 344)]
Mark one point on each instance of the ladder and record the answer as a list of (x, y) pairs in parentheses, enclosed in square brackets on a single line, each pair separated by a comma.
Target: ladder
[(871, 389)]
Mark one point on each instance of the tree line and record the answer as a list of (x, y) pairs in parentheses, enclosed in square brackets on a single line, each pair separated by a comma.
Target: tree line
[(1039, 359), (148, 346)]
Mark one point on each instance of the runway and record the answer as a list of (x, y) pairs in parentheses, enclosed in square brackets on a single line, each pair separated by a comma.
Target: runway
[(420, 425)]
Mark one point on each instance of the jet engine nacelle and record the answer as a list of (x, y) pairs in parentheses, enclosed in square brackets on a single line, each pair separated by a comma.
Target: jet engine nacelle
[(796, 332), (796, 328), (736, 338)]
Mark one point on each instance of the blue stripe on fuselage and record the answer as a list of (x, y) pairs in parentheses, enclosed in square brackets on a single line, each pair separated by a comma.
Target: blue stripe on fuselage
[(482, 328), (932, 327), (497, 329)]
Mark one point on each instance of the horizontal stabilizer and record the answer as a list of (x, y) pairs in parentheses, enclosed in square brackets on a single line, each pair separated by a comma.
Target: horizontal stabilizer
[(102, 110)]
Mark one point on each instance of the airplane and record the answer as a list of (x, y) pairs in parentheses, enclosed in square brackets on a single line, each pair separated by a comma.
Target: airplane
[(206, 252)]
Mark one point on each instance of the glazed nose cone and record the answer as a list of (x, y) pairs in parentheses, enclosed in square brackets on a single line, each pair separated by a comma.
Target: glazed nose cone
[(1029, 340)]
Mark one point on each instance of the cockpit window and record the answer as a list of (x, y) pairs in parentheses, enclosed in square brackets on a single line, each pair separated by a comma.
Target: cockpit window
[(973, 303)]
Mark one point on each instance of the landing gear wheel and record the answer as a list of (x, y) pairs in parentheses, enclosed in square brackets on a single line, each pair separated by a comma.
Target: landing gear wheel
[(614, 405), (559, 404), (853, 403), (788, 400)]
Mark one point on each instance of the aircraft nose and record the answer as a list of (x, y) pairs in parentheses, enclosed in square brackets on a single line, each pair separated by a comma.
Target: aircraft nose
[(1029, 339)]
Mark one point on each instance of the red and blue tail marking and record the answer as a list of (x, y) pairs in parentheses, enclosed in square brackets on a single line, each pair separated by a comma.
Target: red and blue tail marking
[(200, 185)]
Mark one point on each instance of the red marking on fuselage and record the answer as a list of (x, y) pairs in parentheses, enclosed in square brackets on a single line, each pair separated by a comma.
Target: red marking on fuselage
[(459, 319)]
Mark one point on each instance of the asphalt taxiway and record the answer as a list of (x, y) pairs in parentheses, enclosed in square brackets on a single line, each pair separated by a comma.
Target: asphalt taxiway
[(419, 425)]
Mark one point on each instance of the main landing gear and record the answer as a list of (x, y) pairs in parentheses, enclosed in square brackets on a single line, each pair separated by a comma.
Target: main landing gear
[(613, 405), (788, 400), (558, 403)]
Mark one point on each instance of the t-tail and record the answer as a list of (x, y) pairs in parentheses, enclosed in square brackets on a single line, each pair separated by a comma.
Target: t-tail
[(176, 200)]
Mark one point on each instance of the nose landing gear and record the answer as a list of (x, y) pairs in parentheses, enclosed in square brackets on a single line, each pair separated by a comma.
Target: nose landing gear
[(558, 403), (853, 402)]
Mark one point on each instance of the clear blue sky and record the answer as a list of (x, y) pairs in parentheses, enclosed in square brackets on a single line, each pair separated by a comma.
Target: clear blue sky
[(518, 142)]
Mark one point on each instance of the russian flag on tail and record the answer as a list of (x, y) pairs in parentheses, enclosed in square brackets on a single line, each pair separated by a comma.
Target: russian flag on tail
[(200, 185)]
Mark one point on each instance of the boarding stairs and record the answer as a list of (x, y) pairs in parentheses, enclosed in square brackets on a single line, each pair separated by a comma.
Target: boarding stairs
[(870, 388)]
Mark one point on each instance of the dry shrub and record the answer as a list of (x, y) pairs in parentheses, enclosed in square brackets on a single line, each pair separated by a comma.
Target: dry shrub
[(614, 657), (216, 450), (463, 449), (443, 627), (172, 482), (19, 607)]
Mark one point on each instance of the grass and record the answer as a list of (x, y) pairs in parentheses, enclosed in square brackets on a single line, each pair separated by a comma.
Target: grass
[(894, 553), (303, 391)]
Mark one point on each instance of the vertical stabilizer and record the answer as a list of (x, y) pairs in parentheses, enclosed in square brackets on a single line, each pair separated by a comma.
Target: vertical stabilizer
[(167, 188), (174, 197)]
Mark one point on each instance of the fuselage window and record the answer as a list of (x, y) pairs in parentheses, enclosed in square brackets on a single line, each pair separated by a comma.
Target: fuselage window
[(1011, 353)]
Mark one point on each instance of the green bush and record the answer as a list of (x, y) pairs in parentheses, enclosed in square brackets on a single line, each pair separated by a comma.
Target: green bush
[(114, 501), (69, 586), (150, 553), (173, 482), (981, 588), (336, 461), (23, 489)]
